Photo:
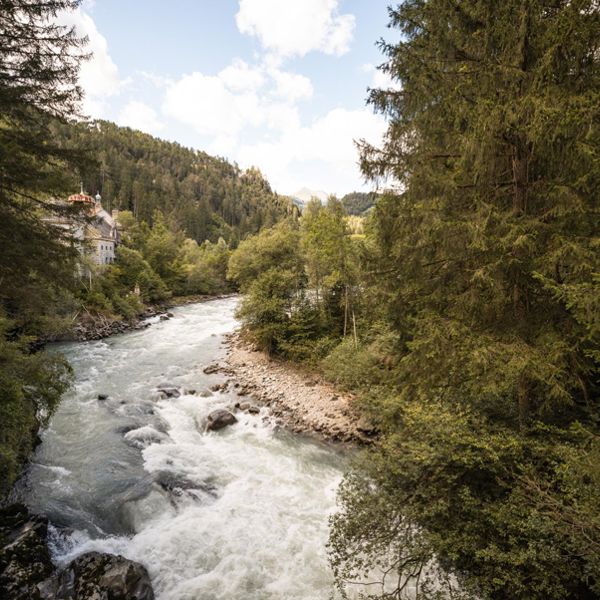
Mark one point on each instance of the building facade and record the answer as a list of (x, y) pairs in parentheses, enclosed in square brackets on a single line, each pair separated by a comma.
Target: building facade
[(94, 230)]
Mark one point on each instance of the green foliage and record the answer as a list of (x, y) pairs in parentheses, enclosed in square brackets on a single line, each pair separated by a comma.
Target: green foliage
[(206, 196), (38, 86), (268, 307), (486, 268), (206, 267), (466, 319), (358, 203), (274, 247), (31, 386)]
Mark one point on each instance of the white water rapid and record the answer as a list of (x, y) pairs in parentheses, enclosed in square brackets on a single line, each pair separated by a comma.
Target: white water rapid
[(237, 514)]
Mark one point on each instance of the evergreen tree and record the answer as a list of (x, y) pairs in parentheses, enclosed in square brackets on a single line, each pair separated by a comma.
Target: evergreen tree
[(38, 73), (486, 267)]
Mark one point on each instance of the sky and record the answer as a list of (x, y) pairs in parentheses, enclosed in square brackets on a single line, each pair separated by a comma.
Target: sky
[(276, 84)]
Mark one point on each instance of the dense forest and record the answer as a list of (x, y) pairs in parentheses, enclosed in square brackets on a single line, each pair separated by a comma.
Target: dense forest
[(206, 196), (358, 203), (466, 318)]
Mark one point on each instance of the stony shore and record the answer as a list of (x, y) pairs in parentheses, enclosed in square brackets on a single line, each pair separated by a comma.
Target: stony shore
[(96, 327), (299, 401)]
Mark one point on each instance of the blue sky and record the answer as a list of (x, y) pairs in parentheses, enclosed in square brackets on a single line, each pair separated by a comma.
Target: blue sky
[(277, 84)]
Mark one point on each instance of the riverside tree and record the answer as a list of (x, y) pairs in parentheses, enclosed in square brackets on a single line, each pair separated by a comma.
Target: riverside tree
[(486, 269), (39, 62)]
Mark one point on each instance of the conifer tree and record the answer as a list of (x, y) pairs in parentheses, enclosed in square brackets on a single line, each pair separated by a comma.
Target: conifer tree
[(38, 73), (486, 266)]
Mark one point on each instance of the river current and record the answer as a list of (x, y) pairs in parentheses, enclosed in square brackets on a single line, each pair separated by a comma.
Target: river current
[(237, 514)]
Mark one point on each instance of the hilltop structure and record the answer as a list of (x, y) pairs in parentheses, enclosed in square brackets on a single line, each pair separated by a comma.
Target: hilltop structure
[(93, 230)]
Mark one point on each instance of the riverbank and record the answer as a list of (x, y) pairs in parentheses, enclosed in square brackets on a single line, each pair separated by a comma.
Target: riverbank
[(298, 400), (93, 326)]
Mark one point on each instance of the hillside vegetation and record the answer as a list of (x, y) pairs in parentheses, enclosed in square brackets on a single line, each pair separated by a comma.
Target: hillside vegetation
[(206, 196)]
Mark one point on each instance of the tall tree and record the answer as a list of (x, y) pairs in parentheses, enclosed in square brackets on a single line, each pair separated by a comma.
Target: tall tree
[(487, 266), (39, 62), (38, 84)]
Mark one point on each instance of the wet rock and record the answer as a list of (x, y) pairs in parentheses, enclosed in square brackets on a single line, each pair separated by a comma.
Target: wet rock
[(220, 418), (102, 396), (24, 557), (178, 485), (145, 436), (205, 394), (96, 576), (169, 392), (214, 368), (253, 410)]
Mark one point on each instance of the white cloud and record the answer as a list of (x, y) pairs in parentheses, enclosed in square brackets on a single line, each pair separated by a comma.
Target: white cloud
[(156, 80), (239, 76), (210, 107), (98, 76), (296, 27), (292, 86), (379, 79), (240, 97), (138, 115), (326, 146)]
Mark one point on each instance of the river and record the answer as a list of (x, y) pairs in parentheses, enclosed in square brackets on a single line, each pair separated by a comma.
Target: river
[(237, 514)]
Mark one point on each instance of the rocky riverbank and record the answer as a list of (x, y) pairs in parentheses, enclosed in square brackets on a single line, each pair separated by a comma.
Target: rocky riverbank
[(27, 572), (93, 326), (299, 401)]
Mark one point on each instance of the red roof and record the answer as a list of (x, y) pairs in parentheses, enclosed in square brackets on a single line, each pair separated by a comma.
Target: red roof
[(81, 198)]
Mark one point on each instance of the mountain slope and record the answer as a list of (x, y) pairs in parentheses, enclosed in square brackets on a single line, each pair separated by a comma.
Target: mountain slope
[(207, 196)]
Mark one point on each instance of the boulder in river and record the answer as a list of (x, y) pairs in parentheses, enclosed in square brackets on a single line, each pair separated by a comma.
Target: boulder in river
[(96, 576), (27, 572), (144, 436), (102, 396), (219, 418), (24, 558), (168, 390), (214, 368)]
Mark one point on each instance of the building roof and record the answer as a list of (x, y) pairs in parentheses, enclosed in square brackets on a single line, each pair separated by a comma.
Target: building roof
[(81, 198)]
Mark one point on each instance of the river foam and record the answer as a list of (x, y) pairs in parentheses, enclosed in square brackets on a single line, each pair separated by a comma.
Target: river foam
[(239, 513)]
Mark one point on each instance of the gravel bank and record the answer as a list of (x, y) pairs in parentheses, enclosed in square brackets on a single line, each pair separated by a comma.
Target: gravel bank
[(299, 401)]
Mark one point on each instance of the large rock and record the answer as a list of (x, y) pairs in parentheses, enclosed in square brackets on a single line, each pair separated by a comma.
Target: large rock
[(27, 572), (96, 576), (218, 419), (24, 557), (168, 390)]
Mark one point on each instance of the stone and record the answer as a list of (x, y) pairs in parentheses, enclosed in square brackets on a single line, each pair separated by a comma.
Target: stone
[(214, 368), (97, 576), (220, 418), (169, 392), (24, 557), (102, 396), (253, 410)]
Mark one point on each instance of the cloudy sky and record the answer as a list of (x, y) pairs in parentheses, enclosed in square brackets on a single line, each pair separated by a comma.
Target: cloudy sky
[(280, 84)]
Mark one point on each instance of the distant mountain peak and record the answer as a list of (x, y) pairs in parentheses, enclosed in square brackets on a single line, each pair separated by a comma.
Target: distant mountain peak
[(304, 195)]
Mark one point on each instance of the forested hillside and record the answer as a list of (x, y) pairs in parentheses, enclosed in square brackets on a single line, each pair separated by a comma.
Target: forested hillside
[(207, 196), (358, 203)]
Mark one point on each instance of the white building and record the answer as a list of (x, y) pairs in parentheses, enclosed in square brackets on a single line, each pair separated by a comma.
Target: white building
[(94, 230)]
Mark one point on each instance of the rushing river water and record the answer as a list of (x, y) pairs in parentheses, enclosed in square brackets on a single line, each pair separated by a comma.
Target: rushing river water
[(236, 514)]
